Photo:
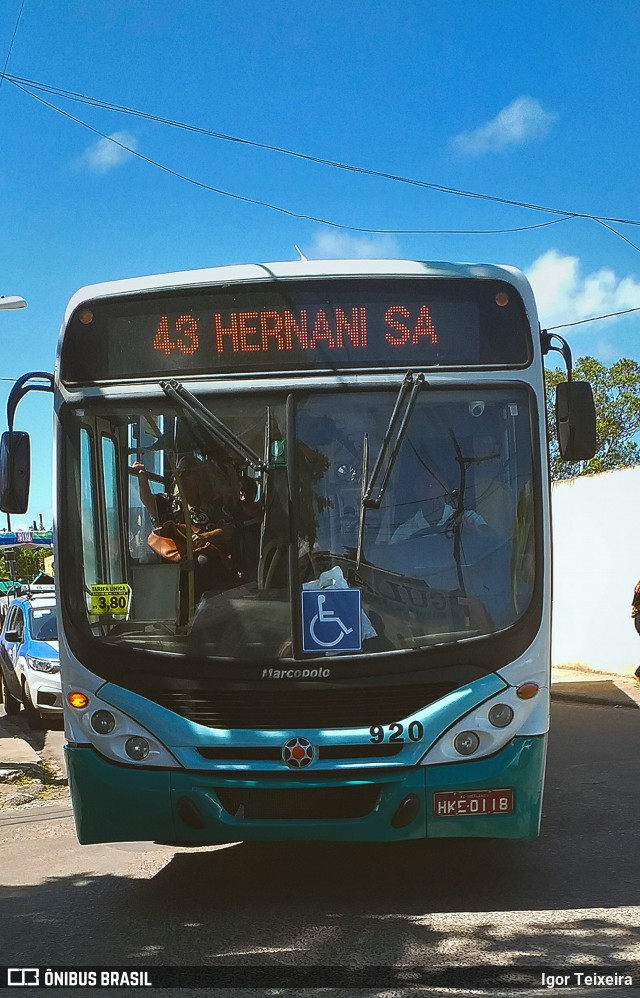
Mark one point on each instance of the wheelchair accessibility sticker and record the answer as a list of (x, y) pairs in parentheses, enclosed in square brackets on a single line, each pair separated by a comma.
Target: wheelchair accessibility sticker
[(331, 620)]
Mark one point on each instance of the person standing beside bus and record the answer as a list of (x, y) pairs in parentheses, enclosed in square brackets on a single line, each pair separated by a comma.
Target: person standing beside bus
[(635, 615)]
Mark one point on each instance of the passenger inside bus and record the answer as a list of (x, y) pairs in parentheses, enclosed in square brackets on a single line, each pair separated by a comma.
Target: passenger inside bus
[(210, 518)]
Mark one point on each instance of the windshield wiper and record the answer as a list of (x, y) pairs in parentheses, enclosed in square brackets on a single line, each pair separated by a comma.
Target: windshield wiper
[(394, 435), (363, 508), (198, 412)]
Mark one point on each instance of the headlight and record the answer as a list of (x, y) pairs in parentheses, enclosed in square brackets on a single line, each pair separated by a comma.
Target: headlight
[(137, 748), (114, 734), (500, 715), (488, 727), (103, 722), (43, 664), (466, 742)]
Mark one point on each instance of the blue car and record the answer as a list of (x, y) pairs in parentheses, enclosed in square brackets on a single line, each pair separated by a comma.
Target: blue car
[(30, 659)]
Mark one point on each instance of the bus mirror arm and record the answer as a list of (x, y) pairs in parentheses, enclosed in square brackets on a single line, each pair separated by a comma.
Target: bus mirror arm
[(575, 408), (546, 341), (22, 388)]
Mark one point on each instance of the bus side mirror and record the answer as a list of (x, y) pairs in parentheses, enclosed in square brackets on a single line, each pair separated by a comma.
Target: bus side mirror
[(575, 420), (15, 471)]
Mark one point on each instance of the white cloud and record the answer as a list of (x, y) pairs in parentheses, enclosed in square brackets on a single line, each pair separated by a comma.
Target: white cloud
[(563, 294), (106, 154), (342, 246), (606, 352), (520, 121)]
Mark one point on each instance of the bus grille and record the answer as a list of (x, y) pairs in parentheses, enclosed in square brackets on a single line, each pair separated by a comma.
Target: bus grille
[(353, 707), (273, 753), (312, 804)]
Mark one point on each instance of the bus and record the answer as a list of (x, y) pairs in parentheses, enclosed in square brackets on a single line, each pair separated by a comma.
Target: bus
[(303, 551)]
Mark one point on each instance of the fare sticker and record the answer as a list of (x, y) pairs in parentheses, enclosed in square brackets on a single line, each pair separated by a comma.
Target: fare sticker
[(112, 598)]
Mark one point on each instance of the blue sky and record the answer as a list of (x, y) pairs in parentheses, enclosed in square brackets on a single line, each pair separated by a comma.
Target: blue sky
[(529, 102)]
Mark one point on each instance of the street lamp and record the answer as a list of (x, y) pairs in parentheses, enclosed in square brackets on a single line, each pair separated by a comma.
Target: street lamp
[(12, 301)]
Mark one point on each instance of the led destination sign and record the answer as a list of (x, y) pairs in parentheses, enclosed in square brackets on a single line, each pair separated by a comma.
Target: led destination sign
[(310, 326), (310, 330)]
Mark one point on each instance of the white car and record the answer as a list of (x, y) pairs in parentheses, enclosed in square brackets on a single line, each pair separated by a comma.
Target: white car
[(30, 659)]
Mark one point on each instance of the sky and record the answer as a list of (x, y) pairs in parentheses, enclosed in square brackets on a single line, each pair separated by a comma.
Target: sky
[(534, 103)]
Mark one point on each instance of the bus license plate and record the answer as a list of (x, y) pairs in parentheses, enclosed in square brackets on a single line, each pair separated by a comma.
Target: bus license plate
[(458, 803)]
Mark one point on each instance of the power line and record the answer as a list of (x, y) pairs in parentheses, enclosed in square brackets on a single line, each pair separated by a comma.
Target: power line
[(594, 318), (23, 84), (13, 38), (620, 235), (273, 207), (28, 85)]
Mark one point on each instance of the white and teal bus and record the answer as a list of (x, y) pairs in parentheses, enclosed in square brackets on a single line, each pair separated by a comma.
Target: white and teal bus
[(303, 551)]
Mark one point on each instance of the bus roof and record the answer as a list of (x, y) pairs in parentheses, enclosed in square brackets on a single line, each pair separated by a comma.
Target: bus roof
[(303, 269)]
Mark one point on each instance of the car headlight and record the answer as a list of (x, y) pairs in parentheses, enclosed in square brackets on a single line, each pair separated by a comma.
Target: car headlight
[(43, 664)]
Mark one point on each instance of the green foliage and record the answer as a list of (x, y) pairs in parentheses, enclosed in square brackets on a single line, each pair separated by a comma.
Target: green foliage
[(616, 391), (28, 562)]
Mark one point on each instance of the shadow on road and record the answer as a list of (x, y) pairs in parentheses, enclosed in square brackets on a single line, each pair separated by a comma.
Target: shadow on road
[(620, 692), (571, 895), (333, 906), (17, 727)]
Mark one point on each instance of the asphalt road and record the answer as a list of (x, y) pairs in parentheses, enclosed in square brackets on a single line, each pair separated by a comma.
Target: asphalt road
[(569, 899)]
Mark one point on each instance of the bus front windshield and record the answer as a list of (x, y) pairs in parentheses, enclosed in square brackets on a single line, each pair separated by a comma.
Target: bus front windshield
[(211, 531)]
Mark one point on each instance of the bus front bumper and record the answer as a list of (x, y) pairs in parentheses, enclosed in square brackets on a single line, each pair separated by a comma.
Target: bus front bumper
[(115, 803)]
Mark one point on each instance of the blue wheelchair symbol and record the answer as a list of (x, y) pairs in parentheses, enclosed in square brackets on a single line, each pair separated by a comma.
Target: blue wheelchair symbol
[(331, 620)]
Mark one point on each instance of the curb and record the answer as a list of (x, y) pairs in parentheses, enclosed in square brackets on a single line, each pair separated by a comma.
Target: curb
[(596, 688), (16, 753), (578, 697)]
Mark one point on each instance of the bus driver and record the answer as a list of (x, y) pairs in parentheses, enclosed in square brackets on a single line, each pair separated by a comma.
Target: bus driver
[(434, 513)]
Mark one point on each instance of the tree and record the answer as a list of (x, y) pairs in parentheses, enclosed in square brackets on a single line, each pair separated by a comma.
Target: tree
[(616, 392), (28, 562)]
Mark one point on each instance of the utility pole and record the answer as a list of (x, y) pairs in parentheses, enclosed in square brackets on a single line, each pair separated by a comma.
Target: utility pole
[(10, 558)]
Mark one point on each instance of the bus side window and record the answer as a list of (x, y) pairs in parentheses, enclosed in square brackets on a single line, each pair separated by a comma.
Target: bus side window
[(112, 510), (89, 528)]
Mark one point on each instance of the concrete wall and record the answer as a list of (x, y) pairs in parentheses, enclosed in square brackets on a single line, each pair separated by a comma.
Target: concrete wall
[(596, 550)]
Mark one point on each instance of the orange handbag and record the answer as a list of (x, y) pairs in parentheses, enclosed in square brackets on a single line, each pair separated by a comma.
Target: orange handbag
[(170, 542)]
